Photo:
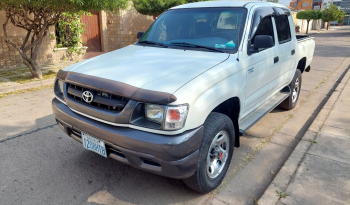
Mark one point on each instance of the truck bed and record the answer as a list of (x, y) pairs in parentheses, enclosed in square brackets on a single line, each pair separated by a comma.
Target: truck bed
[(306, 46)]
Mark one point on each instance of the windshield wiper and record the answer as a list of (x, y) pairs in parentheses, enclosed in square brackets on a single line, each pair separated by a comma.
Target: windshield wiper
[(198, 46), (153, 42)]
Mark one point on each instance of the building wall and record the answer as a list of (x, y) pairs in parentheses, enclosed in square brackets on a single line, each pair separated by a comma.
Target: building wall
[(120, 30), (117, 31), (297, 6), (10, 57)]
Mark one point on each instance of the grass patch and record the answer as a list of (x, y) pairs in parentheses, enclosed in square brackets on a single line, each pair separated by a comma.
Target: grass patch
[(312, 141), (8, 73), (26, 90), (27, 79), (281, 194)]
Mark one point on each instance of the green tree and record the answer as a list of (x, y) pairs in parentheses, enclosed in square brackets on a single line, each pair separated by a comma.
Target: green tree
[(156, 7), (37, 16), (332, 13), (274, 1), (69, 30), (309, 15)]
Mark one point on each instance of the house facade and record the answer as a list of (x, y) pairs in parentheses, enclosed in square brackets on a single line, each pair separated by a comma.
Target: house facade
[(300, 5), (345, 6), (104, 32)]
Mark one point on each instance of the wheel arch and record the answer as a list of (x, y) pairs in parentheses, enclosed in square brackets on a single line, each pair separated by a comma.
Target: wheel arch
[(231, 107), (302, 64)]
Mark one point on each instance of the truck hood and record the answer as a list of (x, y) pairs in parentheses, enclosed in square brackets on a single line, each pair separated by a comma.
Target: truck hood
[(150, 68)]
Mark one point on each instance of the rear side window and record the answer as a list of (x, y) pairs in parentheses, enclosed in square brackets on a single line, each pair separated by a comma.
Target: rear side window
[(264, 28), (283, 28)]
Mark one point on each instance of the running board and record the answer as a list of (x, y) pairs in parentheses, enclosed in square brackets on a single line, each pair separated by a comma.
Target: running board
[(260, 112)]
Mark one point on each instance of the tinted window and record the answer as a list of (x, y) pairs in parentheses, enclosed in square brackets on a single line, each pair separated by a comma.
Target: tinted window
[(264, 28), (283, 28)]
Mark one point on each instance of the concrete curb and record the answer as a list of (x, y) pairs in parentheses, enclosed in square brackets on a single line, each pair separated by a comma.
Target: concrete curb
[(25, 86), (287, 172)]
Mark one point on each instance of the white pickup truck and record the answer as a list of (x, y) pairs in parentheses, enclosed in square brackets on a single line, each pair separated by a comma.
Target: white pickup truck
[(176, 102)]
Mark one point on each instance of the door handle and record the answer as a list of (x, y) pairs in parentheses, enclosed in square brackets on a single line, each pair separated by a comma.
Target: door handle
[(276, 59), (293, 51)]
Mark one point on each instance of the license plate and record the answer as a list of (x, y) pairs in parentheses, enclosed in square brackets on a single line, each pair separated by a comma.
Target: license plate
[(93, 144)]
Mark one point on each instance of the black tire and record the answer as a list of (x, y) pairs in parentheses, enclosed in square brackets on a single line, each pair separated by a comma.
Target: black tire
[(288, 103), (200, 181)]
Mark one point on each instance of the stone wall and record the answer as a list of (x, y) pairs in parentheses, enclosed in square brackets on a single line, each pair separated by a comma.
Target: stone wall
[(122, 28), (117, 31), (10, 57)]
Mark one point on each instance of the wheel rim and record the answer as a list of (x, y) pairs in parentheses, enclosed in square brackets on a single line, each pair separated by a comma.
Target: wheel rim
[(295, 91), (217, 154)]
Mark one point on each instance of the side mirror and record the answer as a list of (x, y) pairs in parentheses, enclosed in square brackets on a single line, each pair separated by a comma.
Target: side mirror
[(139, 34), (263, 41)]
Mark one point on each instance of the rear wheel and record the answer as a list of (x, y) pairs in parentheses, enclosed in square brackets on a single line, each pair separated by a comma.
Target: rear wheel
[(215, 153), (295, 86)]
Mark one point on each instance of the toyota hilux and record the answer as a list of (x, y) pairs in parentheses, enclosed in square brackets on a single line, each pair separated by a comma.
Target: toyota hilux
[(177, 101)]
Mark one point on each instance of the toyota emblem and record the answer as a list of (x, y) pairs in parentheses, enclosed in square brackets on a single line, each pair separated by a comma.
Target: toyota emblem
[(88, 96)]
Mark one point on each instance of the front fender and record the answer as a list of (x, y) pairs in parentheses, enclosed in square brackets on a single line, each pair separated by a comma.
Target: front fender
[(210, 89)]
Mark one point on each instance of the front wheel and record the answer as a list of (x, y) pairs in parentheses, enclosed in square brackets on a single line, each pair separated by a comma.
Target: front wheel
[(295, 86), (215, 153)]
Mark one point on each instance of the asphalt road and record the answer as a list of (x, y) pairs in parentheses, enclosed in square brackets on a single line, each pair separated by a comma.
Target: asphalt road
[(39, 164)]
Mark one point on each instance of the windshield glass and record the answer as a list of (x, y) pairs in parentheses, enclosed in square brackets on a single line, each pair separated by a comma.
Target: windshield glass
[(219, 28)]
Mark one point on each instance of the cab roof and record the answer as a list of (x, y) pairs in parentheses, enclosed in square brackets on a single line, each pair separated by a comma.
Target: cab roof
[(208, 4)]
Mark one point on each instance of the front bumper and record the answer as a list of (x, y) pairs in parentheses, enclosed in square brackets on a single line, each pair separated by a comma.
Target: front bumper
[(174, 156)]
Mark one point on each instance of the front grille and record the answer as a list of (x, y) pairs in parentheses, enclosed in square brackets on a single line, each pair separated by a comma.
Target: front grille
[(102, 100)]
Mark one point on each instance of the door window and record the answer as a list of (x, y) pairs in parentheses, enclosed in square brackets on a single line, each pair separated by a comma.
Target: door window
[(283, 28), (264, 28)]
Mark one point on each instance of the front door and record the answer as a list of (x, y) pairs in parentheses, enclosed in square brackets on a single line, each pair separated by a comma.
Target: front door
[(258, 66), (92, 36)]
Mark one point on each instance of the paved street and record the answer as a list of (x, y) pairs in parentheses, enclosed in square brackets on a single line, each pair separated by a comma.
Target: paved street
[(41, 165), (323, 176)]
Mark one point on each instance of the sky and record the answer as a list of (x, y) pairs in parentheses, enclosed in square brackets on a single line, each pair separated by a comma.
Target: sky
[(285, 2)]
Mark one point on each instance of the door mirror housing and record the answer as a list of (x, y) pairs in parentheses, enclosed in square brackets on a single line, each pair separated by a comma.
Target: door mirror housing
[(140, 34), (262, 41)]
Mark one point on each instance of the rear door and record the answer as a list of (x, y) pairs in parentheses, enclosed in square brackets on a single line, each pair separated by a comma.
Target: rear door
[(284, 60)]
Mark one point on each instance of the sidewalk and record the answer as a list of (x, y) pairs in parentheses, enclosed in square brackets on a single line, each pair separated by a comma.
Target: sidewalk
[(15, 79), (318, 170), (311, 32)]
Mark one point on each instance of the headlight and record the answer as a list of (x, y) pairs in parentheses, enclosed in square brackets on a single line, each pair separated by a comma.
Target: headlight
[(175, 117), (154, 113), (60, 86)]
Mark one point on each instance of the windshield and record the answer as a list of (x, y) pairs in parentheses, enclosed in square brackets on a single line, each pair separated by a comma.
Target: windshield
[(219, 28)]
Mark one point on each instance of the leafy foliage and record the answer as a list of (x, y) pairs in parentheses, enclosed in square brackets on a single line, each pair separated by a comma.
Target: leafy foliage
[(282, 194), (274, 1), (156, 7), (340, 21), (309, 15), (37, 16), (64, 5), (332, 13), (69, 30)]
